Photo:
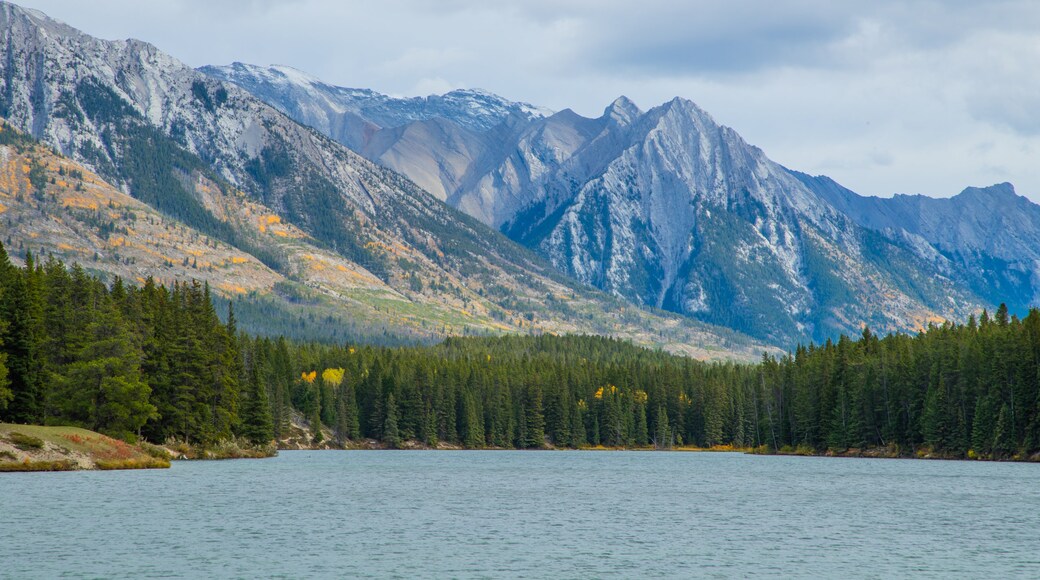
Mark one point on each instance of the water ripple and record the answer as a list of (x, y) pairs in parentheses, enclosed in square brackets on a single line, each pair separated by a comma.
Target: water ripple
[(374, 514)]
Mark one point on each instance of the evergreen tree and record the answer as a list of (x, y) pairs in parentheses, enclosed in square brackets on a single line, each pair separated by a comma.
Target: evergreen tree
[(663, 433), (642, 435), (314, 416), (983, 426), (533, 418), (257, 425), (391, 435), (1003, 440), (104, 390), (19, 306), (578, 433), (472, 423)]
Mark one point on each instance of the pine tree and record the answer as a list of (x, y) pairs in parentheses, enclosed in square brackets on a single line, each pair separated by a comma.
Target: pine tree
[(1003, 437), (5, 390), (391, 434), (663, 434), (18, 307), (351, 422), (642, 436), (104, 390), (256, 422), (578, 434), (472, 423), (534, 420), (430, 426), (983, 425)]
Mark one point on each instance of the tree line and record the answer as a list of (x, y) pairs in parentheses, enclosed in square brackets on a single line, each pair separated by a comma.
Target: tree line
[(158, 363), (128, 361)]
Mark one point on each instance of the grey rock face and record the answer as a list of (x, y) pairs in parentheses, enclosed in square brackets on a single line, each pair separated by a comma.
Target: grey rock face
[(664, 207), (77, 92), (150, 124), (987, 238)]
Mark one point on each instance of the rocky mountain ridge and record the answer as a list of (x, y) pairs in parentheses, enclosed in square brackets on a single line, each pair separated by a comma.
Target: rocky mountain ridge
[(667, 208), (211, 156)]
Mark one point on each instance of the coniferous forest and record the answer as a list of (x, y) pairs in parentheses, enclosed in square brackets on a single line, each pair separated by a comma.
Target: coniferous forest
[(159, 363)]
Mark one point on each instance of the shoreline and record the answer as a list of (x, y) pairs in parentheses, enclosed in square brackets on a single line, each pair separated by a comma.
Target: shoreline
[(35, 448), (851, 453), (48, 448)]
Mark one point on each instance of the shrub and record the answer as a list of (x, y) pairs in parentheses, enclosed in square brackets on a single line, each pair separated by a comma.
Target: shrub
[(805, 449), (63, 465), (138, 463), (24, 442), (155, 451), (180, 447)]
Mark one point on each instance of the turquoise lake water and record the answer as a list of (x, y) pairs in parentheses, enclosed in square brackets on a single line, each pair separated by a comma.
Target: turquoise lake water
[(505, 514)]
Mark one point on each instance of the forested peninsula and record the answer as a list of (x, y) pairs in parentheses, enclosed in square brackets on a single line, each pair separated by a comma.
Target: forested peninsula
[(157, 364)]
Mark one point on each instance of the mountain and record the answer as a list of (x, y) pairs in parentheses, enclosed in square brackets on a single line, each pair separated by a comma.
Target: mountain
[(340, 237), (442, 142), (990, 235), (670, 209), (665, 208), (51, 205), (338, 110)]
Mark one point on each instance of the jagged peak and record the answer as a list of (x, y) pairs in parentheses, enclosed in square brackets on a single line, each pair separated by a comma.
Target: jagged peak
[(486, 95), (686, 106), (30, 12), (622, 111), (477, 102), (477, 91), (39, 19), (295, 75), (1003, 190)]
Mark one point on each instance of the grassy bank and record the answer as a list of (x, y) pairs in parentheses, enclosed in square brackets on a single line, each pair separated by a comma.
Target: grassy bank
[(39, 448), (226, 449)]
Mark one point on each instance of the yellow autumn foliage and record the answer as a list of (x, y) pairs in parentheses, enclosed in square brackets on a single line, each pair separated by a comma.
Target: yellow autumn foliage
[(309, 377), (333, 377)]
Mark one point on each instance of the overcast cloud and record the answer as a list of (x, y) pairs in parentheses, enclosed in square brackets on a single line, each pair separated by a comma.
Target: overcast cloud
[(885, 96)]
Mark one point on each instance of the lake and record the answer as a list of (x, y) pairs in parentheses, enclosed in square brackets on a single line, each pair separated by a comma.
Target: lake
[(503, 514)]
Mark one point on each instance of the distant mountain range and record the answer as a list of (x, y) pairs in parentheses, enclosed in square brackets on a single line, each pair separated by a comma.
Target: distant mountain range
[(339, 212), (668, 209), (338, 246)]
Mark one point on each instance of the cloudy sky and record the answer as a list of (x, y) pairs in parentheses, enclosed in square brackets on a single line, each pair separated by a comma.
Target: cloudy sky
[(886, 96)]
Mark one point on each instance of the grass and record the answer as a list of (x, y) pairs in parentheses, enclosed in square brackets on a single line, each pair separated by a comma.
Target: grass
[(26, 465), (223, 449), (24, 442), (64, 448), (136, 463)]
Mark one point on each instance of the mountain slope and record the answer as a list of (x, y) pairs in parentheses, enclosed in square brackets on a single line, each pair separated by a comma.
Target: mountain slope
[(665, 208), (989, 237), (212, 156), (332, 109), (676, 211), (442, 142), (669, 209)]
